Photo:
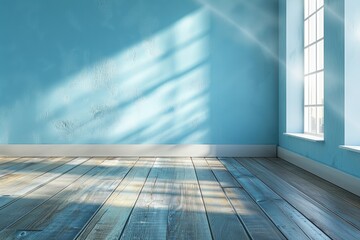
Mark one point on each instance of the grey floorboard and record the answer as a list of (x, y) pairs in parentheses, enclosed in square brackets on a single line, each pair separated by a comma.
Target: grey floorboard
[(170, 198)]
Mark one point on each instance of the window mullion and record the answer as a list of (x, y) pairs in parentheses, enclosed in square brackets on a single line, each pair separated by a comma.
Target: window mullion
[(312, 111)]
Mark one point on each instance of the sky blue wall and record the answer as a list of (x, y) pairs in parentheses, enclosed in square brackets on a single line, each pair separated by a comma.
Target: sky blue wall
[(327, 152), (138, 71)]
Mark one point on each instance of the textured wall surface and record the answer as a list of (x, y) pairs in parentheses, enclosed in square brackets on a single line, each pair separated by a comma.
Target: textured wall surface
[(138, 71), (327, 152)]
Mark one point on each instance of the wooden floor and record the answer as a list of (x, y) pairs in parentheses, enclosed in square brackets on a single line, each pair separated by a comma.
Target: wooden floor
[(170, 198)]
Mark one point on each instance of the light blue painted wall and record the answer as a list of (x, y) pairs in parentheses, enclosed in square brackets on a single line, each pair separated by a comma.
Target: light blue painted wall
[(327, 152), (139, 71)]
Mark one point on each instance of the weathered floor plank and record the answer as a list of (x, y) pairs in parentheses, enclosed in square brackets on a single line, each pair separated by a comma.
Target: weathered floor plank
[(326, 220), (223, 176), (21, 164), (110, 220), (342, 209), (169, 199), (62, 216), (258, 225), (23, 189), (289, 221), (12, 183), (342, 194), (12, 212), (4, 160), (223, 220)]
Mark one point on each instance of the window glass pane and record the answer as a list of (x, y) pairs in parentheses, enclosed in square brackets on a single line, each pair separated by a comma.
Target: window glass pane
[(312, 120), (320, 88), (306, 33), (320, 120), (306, 119), (312, 89), (312, 58), (312, 6), (320, 55), (312, 29), (306, 8), (306, 91), (306, 60), (320, 3), (320, 24), (314, 66)]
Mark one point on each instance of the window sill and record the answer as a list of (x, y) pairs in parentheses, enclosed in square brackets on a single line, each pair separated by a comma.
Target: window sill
[(351, 148), (307, 137)]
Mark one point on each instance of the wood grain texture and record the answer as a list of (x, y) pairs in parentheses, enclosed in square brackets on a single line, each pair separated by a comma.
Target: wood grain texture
[(21, 164), (11, 184), (327, 199), (110, 220), (289, 221), (223, 220), (322, 217), (258, 225), (169, 199), (62, 216), (4, 160), (22, 190), (334, 190), (223, 176), (12, 212)]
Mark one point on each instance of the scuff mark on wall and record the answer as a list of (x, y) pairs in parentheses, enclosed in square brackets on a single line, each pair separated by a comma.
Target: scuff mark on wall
[(99, 111), (65, 127)]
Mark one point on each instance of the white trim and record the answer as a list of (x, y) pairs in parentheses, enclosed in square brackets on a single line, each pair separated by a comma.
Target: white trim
[(304, 136), (337, 177), (178, 150), (351, 148)]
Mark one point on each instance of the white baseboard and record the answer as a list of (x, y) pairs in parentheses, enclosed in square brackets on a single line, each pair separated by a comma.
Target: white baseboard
[(146, 150), (330, 174)]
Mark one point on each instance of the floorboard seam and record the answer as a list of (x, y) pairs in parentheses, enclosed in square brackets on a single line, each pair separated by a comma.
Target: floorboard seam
[(310, 237), (202, 198), (103, 203), (137, 198)]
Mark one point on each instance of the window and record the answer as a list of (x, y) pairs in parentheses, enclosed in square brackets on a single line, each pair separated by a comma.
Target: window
[(314, 67)]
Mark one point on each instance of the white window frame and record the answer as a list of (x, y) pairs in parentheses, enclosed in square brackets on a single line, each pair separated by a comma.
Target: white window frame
[(314, 67)]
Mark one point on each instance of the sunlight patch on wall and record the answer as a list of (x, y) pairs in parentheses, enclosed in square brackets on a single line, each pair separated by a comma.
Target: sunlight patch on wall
[(153, 92)]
